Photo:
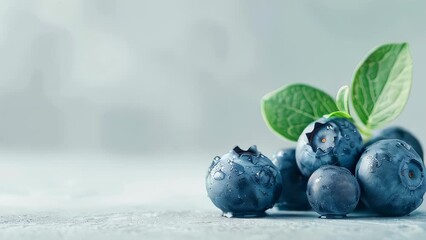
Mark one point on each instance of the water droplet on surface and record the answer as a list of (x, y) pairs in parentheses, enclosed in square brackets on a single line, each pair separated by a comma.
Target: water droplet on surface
[(228, 214), (347, 137), (219, 175)]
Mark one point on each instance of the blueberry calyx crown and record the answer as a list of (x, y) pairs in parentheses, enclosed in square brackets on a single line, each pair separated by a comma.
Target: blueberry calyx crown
[(252, 151), (322, 137), (412, 174)]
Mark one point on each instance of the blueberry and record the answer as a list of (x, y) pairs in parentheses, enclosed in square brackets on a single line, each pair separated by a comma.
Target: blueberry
[(398, 133), (391, 175), (333, 191), (328, 141), (293, 195), (243, 183)]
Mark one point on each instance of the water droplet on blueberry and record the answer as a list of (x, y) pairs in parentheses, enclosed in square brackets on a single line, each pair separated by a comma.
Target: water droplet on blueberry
[(374, 163), (346, 151), (238, 169), (264, 177), (214, 163), (219, 175), (382, 156), (318, 179)]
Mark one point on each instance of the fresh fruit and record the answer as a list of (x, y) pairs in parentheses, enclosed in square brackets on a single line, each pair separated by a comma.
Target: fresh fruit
[(328, 141), (329, 145), (333, 191), (391, 175), (293, 195), (398, 133), (243, 183)]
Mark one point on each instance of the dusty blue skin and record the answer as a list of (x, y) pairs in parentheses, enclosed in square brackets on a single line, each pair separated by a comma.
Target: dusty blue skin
[(243, 183), (328, 141), (398, 133), (293, 195), (391, 176), (333, 191)]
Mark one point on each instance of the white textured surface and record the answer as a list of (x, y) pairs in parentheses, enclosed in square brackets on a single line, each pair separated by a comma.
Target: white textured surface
[(57, 197), (139, 223)]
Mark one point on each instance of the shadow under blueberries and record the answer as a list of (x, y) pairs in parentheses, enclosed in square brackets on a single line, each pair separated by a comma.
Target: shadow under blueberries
[(291, 214)]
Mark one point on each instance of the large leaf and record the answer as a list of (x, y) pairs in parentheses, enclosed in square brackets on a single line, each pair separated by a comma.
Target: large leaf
[(288, 110), (382, 84)]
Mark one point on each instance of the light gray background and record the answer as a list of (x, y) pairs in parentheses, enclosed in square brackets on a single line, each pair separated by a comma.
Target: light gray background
[(137, 77), (124, 103)]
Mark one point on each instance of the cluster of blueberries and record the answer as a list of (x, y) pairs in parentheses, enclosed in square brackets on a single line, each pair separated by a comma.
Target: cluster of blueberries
[(330, 171)]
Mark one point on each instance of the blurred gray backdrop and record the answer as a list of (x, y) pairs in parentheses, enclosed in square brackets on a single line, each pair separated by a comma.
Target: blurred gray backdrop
[(152, 77)]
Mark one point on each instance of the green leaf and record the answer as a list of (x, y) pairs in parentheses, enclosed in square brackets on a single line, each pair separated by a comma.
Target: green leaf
[(340, 114), (288, 110), (382, 84), (342, 99)]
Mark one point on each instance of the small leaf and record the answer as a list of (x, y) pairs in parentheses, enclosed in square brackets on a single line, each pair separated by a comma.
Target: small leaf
[(342, 99), (288, 110), (340, 114), (382, 84)]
